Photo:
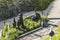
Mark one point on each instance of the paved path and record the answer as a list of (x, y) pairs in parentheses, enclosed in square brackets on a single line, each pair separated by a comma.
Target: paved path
[(55, 11), (37, 34)]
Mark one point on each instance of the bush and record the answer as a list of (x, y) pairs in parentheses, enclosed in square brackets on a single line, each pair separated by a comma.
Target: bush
[(31, 24), (11, 33), (5, 29), (44, 18)]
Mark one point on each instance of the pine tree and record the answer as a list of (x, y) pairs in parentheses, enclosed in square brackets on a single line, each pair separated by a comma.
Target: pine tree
[(18, 23), (21, 20), (14, 24)]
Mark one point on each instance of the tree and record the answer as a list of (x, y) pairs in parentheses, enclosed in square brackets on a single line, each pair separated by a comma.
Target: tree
[(14, 24), (41, 4), (34, 4), (20, 21), (25, 5), (38, 16), (6, 6)]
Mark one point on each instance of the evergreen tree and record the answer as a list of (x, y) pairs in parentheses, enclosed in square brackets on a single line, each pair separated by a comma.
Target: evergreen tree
[(18, 23), (14, 24), (21, 20)]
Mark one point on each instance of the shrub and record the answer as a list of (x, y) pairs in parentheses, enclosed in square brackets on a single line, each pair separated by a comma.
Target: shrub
[(11, 33), (31, 24), (5, 29)]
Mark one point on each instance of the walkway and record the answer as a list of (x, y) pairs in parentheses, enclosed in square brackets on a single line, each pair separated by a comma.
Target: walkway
[(37, 34), (55, 11)]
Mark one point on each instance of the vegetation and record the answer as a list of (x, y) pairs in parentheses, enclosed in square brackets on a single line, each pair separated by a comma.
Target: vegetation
[(40, 4), (14, 24), (34, 4), (31, 24), (8, 11), (55, 37), (11, 32)]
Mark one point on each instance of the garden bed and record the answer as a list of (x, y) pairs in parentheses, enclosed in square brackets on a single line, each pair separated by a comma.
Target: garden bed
[(11, 33)]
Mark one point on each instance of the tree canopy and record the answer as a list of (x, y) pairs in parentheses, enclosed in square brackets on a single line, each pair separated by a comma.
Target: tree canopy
[(41, 4)]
